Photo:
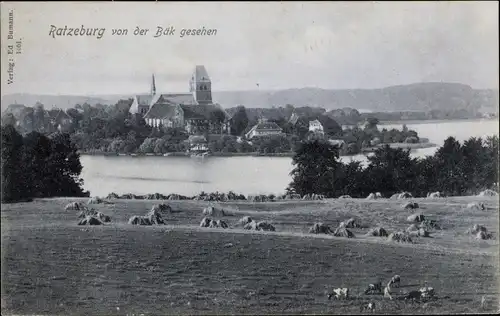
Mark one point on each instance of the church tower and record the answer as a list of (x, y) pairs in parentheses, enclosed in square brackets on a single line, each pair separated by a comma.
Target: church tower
[(201, 86), (153, 87)]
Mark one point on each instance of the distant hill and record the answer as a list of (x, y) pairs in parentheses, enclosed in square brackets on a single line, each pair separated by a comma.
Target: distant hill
[(412, 97)]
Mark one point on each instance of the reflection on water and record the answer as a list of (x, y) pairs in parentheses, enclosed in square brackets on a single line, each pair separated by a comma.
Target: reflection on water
[(247, 175)]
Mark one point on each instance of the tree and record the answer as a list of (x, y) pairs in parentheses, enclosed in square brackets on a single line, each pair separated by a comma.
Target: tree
[(391, 170), (239, 121), (316, 167), (450, 177), (330, 126), (13, 182)]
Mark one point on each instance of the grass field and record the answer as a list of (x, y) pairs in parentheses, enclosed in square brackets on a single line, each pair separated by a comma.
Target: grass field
[(52, 266)]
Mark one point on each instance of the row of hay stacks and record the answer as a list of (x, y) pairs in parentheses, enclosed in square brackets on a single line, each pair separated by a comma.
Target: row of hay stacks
[(231, 196), (246, 222), (421, 230)]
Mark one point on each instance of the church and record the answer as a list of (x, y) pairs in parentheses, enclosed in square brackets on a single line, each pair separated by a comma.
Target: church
[(195, 111)]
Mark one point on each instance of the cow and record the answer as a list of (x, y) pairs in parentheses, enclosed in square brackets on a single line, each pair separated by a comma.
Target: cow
[(374, 288), (339, 293)]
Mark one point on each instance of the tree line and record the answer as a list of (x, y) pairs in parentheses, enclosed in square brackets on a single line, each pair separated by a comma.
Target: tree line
[(455, 169), (37, 166), (112, 129)]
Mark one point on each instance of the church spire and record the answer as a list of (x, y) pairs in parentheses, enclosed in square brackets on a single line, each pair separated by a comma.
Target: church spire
[(153, 86)]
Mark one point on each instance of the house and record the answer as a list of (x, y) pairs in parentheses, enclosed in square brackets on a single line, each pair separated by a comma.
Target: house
[(348, 126), (337, 142), (264, 128), (195, 112), (316, 127), (59, 119)]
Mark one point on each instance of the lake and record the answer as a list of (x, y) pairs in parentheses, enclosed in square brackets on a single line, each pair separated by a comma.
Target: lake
[(248, 175)]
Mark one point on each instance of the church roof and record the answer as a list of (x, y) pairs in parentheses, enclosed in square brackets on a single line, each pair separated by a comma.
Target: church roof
[(201, 74), (178, 98), (160, 110), (266, 126), (144, 99), (202, 111)]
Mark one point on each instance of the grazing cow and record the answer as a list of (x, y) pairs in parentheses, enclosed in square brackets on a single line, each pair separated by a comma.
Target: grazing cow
[(427, 292), (395, 281), (374, 288), (413, 295), (339, 293)]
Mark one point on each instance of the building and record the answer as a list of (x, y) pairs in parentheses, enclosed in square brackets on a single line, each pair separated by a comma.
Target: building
[(337, 142), (197, 143), (194, 111), (264, 128), (316, 127)]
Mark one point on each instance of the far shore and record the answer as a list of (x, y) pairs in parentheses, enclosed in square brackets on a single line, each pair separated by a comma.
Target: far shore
[(256, 154), (402, 122)]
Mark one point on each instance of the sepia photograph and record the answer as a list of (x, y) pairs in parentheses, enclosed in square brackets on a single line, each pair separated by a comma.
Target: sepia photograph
[(257, 158)]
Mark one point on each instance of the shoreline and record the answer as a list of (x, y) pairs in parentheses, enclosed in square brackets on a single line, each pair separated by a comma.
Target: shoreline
[(256, 154), (434, 121)]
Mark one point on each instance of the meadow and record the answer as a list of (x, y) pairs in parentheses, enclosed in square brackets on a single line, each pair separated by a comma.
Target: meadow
[(50, 265)]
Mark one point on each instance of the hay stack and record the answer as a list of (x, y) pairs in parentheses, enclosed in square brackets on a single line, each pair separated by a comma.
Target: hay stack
[(429, 224), (161, 208), (476, 206), (410, 206), (402, 195), (345, 197), (112, 196), (75, 206), (377, 232), (174, 197), (434, 195), (217, 224), (400, 237), (293, 196), (205, 222), (416, 218), (139, 220), (343, 232), (488, 193), (260, 226), (95, 200), (320, 228), (214, 211), (90, 220), (374, 196), (350, 223), (155, 217), (245, 220), (93, 213), (155, 196)]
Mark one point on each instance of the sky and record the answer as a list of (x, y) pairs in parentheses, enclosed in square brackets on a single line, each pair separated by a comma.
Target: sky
[(261, 45)]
